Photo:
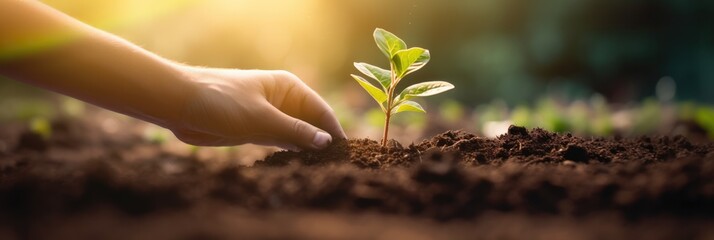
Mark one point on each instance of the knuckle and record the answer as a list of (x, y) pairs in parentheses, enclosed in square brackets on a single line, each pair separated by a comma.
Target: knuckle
[(298, 127), (283, 74), (286, 77)]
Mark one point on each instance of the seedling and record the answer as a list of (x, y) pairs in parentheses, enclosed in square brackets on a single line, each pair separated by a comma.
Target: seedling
[(402, 61)]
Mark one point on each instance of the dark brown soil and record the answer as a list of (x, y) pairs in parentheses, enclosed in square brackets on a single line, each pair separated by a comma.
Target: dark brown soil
[(529, 184), (519, 146)]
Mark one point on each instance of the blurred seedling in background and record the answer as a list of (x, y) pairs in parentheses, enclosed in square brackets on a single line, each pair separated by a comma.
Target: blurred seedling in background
[(402, 61), (451, 111), (550, 116), (705, 117), (156, 135), (41, 126)]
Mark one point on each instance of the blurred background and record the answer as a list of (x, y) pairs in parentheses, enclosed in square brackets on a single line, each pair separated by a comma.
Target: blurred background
[(591, 67)]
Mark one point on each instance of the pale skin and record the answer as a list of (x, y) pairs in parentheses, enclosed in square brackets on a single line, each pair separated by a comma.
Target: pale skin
[(201, 106)]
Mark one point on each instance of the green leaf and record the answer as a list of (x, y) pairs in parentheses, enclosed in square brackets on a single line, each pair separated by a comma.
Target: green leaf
[(409, 60), (388, 42), (408, 106), (383, 76), (373, 91), (424, 89)]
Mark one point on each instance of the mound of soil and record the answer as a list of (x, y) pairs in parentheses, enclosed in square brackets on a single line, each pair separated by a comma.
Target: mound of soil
[(518, 145), (524, 184)]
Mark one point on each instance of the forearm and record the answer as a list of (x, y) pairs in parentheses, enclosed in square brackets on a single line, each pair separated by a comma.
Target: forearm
[(213, 107), (91, 65)]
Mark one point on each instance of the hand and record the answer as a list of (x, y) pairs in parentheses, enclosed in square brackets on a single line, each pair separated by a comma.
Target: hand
[(233, 107), (201, 106)]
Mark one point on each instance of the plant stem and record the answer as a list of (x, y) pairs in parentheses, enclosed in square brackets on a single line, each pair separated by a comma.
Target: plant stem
[(386, 130), (388, 112), (388, 116)]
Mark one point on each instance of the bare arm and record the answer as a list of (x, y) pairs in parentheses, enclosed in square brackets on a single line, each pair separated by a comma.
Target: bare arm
[(49, 49), (44, 47)]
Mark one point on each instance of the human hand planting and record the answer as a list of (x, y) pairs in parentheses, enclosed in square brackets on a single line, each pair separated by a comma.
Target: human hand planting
[(255, 106), (202, 106)]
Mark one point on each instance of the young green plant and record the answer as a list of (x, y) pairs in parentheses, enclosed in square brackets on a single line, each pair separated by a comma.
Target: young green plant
[(402, 61)]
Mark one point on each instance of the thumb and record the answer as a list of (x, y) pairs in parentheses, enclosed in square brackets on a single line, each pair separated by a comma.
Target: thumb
[(296, 131)]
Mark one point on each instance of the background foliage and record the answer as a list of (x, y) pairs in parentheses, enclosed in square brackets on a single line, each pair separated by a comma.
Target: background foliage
[(508, 53)]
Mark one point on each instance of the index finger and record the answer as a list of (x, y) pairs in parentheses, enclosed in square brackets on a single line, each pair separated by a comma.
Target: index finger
[(316, 111), (304, 103)]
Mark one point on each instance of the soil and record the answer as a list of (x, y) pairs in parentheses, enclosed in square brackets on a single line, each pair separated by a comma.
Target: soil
[(528, 183)]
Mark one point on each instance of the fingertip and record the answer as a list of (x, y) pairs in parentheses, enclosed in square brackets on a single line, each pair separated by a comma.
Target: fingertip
[(298, 132), (321, 140), (339, 134), (330, 124)]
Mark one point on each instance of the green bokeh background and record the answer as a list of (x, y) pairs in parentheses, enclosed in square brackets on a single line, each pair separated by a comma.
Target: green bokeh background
[(509, 59)]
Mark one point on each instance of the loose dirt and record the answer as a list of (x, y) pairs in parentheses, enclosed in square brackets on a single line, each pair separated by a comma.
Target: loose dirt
[(528, 183)]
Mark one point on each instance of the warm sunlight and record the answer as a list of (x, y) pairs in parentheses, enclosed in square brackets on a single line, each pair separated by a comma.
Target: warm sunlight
[(227, 33), (356, 119)]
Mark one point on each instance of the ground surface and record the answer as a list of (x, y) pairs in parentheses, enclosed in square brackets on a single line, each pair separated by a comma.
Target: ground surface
[(80, 184)]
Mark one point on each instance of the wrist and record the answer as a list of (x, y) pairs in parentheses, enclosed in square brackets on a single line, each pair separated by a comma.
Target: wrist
[(182, 93)]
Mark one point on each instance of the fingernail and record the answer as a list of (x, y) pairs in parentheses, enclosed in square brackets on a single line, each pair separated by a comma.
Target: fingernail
[(321, 140)]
